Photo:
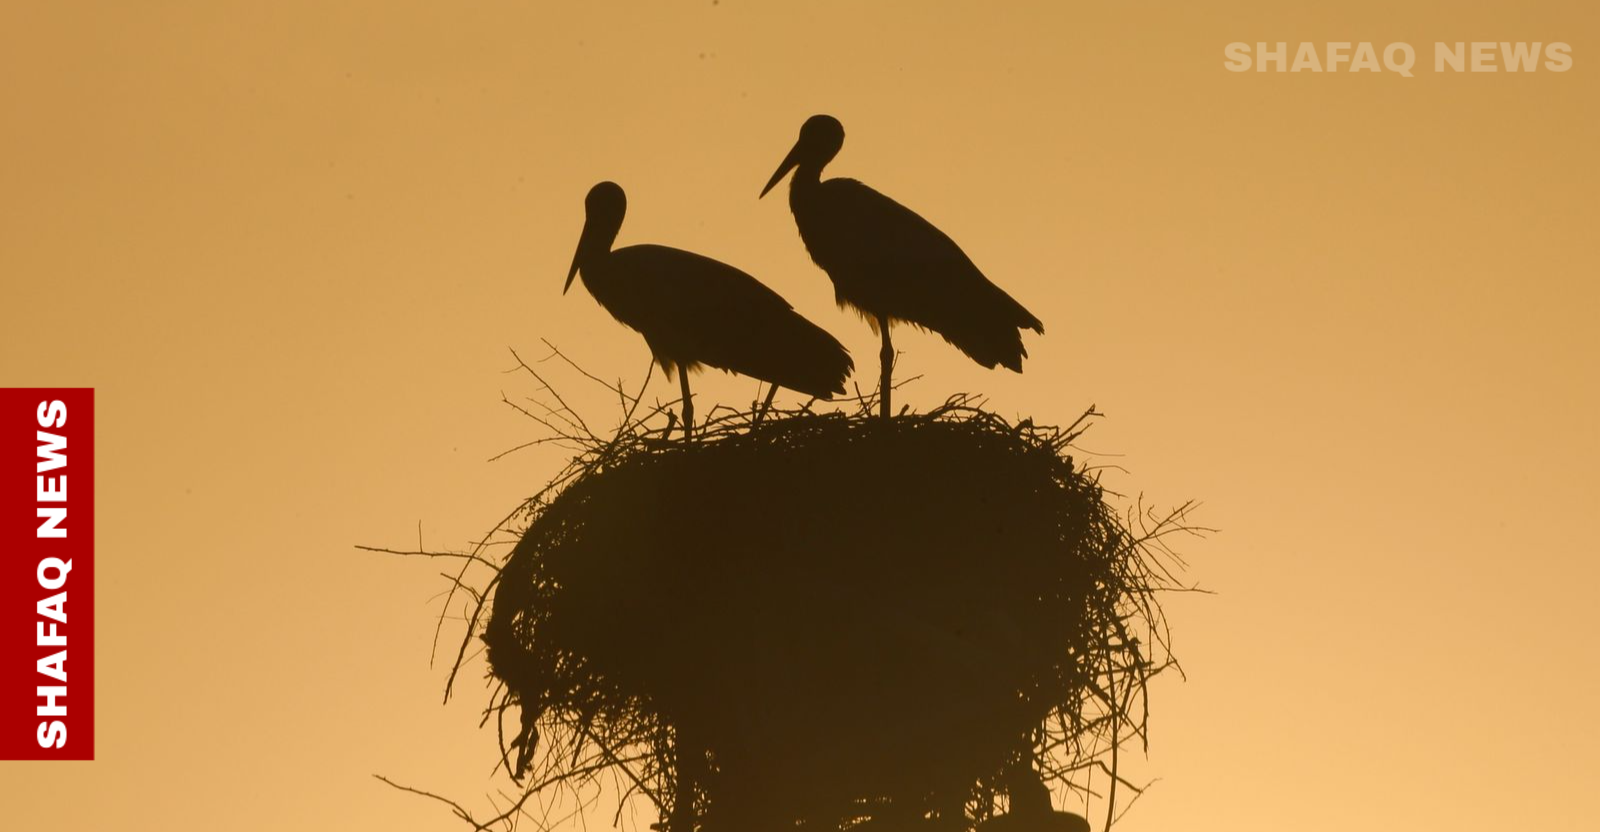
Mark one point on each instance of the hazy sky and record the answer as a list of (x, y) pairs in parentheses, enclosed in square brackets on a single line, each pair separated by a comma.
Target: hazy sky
[(291, 243)]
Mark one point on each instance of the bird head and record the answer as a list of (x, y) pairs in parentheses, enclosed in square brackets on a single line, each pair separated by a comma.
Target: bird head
[(820, 139), (603, 210)]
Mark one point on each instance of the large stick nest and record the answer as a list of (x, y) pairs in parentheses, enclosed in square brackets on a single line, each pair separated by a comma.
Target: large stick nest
[(820, 618), (823, 614)]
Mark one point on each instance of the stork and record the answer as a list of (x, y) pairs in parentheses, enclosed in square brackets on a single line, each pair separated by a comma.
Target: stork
[(695, 311), (893, 265)]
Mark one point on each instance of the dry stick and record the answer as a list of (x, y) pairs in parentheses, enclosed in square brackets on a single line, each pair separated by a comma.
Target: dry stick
[(1126, 702), (627, 426), (461, 812), (543, 441), (547, 387), (462, 555), (628, 418), (469, 558), (552, 391), (1137, 793), (457, 808), (558, 414), (559, 434), (1111, 799), (576, 421), (557, 353), (609, 754), (465, 587)]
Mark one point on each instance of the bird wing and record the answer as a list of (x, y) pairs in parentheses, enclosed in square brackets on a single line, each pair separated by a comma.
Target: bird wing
[(924, 269), (696, 310), (872, 229), (886, 259)]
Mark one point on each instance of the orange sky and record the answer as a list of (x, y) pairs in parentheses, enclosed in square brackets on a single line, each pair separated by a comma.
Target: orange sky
[(290, 244)]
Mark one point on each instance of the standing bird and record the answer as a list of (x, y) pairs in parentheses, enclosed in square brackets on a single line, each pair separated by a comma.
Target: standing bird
[(695, 311), (893, 265)]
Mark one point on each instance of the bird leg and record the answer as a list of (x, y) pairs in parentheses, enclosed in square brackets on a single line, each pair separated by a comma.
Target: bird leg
[(765, 406), (688, 404), (887, 357)]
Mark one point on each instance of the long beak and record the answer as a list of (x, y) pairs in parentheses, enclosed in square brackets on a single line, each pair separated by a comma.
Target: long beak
[(573, 272), (788, 164)]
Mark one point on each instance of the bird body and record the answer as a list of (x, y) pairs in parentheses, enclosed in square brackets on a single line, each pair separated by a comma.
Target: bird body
[(694, 311), (890, 264)]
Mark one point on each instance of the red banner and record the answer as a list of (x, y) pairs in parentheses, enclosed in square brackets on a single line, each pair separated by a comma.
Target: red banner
[(47, 574)]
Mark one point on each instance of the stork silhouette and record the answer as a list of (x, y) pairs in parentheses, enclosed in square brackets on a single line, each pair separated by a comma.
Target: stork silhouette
[(893, 265), (695, 311)]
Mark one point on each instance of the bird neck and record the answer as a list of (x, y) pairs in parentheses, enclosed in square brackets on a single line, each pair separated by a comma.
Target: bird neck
[(594, 245), (807, 176)]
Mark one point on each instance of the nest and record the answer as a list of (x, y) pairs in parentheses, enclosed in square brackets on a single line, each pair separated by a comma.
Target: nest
[(817, 619)]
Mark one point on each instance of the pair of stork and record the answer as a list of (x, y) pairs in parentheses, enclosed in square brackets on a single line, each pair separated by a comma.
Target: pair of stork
[(885, 261)]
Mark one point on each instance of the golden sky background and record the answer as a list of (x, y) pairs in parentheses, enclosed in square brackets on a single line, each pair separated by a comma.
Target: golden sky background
[(290, 244)]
